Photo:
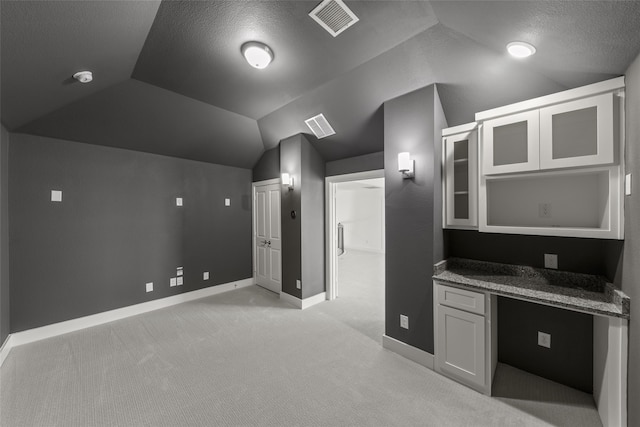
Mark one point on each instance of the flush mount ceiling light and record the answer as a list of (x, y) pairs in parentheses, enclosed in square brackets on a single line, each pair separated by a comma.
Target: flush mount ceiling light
[(257, 54), (83, 76), (520, 49)]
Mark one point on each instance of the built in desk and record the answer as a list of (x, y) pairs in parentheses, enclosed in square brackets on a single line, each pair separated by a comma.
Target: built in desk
[(465, 312)]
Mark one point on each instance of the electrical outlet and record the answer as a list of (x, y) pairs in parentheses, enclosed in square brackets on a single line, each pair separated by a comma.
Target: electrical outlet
[(205, 275), (404, 321), (178, 201), (227, 202), (149, 286), (544, 339), (298, 284), (551, 261), (172, 282), (544, 210), (56, 195), (180, 281)]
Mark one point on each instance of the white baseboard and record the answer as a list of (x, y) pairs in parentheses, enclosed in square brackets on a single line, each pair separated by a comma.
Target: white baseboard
[(303, 303), (364, 249), (55, 329), (5, 349), (421, 357)]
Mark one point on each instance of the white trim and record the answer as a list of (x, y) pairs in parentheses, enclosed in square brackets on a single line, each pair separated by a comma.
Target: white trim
[(405, 350), (55, 329), (6, 348), (331, 224), (610, 364), (543, 101), (303, 303), (468, 127), (364, 249)]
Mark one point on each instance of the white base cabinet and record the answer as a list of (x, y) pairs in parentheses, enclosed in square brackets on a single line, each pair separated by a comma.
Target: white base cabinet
[(465, 329)]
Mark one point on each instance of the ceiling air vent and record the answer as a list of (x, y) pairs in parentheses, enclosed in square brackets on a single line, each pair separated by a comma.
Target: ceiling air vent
[(320, 126), (334, 16)]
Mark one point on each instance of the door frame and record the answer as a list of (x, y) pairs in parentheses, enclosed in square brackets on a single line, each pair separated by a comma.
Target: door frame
[(331, 234), (254, 218)]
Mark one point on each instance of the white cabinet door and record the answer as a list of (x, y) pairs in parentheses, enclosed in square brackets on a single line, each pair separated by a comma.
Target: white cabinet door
[(268, 263), (578, 133), (460, 351), (511, 143), (461, 180)]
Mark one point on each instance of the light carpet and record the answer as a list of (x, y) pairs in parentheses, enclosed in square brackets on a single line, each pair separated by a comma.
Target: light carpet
[(245, 358)]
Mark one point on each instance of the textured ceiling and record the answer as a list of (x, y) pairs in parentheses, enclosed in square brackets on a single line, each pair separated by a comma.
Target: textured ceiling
[(170, 79)]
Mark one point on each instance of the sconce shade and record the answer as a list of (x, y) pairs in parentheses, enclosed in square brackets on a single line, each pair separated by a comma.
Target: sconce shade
[(405, 164), (287, 180)]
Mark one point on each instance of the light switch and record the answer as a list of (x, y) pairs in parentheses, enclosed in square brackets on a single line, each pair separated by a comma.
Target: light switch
[(56, 195), (149, 286), (179, 271), (180, 281), (227, 202), (172, 282), (178, 201), (205, 275)]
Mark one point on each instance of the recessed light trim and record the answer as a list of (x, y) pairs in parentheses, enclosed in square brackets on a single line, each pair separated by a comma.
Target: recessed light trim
[(520, 49), (257, 54)]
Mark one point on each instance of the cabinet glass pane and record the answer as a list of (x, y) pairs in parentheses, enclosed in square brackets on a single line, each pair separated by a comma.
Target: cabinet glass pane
[(461, 176), (461, 149), (575, 133), (510, 144), (461, 206)]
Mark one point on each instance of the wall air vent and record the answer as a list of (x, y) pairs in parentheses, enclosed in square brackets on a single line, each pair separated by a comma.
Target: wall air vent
[(334, 16), (320, 126)]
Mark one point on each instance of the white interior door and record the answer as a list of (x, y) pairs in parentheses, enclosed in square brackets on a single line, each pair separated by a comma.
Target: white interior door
[(268, 243)]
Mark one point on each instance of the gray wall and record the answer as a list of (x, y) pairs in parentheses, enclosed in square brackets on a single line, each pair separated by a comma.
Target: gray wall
[(312, 218), (4, 235), (410, 123), (569, 361), (117, 228), (630, 277), (268, 166), (291, 201), (367, 162)]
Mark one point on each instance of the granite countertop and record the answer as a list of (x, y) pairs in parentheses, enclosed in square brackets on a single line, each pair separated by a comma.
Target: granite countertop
[(573, 291)]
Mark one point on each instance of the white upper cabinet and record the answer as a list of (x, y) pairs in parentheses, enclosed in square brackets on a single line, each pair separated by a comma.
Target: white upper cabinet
[(574, 128), (511, 143), (554, 165), (578, 133), (460, 158)]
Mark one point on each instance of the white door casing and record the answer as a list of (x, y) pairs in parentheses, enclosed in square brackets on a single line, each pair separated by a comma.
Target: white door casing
[(267, 236), (331, 225)]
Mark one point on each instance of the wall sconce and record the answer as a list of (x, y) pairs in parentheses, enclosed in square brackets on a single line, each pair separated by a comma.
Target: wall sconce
[(405, 165), (287, 180)]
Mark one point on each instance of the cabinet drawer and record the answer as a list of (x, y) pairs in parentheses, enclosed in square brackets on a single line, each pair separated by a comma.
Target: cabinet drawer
[(462, 299)]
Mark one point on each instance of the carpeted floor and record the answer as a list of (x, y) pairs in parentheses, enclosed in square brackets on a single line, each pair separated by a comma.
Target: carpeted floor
[(245, 358)]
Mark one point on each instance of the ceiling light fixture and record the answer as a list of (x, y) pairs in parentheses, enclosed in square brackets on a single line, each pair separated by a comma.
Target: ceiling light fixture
[(520, 49), (83, 76), (257, 54)]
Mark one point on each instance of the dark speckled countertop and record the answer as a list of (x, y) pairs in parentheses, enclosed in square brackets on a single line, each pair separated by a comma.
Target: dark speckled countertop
[(573, 291)]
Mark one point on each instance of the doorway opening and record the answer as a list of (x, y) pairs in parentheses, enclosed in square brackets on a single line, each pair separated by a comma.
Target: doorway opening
[(355, 232)]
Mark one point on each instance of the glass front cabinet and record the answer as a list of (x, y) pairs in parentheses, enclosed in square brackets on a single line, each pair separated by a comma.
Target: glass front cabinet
[(460, 159)]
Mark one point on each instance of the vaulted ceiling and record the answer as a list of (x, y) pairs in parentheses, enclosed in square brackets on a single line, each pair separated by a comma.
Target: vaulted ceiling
[(169, 77)]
